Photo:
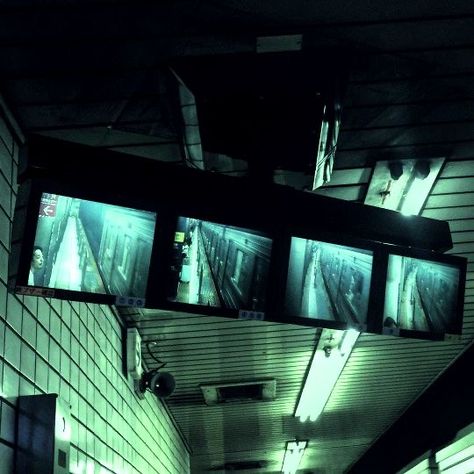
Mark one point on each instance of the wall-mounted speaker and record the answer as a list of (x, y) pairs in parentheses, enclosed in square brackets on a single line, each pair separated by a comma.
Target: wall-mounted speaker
[(161, 384), (134, 354)]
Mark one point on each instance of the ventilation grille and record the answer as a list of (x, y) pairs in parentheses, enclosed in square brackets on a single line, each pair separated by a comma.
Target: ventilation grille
[(255, 390), (240, 466)]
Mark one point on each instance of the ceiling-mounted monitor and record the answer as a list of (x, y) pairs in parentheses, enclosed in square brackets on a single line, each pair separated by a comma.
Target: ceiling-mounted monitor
[(328, 282), (423, 294), (82, 247), (217, 265)]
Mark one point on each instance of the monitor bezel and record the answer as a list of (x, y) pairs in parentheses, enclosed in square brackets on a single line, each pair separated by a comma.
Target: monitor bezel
[(232, 214), (29, 201), (279, 314), (241, 222), (380, 290)]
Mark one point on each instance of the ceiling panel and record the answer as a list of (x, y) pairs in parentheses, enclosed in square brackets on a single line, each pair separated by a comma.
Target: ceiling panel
[(449, 200)]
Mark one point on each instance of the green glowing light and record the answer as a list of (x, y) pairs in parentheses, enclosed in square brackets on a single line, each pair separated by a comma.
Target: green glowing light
[(326, 366), (293, 454)]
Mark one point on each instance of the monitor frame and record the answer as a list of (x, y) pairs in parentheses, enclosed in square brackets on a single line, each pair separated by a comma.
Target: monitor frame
[(280, 315), (24, 232), (53, 166), (378, 302), (239, 222)]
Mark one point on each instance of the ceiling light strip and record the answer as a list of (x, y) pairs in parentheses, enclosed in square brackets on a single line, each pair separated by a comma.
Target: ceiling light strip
[(458, 457), (425, 466), (330, 356), (293, 454)]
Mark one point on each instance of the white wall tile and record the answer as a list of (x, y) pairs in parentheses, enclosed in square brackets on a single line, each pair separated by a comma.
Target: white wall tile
[(66, 311), (3, 263), (43, 313), (6, 137), (2, 339), (3, 301), (5, 194), (4, 229), (54, 356), (28, 329), (26, 387), (55, 326), (42, 342), (74, 349), (53, 382), (11, 382), (65, 337), (27, 361), (7, 426), (31, 302), (65, 365), (14, 312), (65, 390), (41, 376), (12, 347), (74, 352), (6, 164)]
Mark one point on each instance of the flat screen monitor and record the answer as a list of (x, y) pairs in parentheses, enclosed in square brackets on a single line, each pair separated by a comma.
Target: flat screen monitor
[(328, 281), (423, 295), (219, 265), (91, 247)]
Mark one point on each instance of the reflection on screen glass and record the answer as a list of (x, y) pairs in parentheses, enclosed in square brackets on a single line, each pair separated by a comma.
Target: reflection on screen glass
[(219, 265), (328, 281), (420, 295), (91, 247)]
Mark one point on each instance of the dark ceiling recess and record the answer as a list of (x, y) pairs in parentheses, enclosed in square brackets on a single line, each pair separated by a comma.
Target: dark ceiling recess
[(239, 393), (240, 466), (265, 109), (152, 181), (262, 390), (430, 423)]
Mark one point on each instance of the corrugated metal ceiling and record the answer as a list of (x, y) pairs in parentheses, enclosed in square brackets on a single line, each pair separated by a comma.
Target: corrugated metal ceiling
[(92, 72)]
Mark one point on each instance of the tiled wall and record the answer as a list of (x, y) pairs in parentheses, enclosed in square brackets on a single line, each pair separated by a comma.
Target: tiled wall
[(74, 349)]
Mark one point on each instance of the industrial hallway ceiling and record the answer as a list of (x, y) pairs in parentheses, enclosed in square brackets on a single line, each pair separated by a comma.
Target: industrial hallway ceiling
[(95, 72)]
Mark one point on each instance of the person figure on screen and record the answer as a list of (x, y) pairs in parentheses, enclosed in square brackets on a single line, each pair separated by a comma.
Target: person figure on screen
[(37, 262), (389, 322)]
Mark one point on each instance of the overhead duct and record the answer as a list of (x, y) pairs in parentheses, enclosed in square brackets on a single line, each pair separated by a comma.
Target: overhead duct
[(267, 109)]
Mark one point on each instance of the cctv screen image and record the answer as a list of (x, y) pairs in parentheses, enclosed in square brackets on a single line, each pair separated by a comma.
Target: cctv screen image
[(328, 281), (420, 295), (91, 247), (219, 265)]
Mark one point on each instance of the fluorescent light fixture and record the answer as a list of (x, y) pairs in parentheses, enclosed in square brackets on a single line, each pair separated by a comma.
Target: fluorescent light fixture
[(403, 185), (458, 457), (422, 467), (328, 136), (320, 176), (293, 454), (464, 467), (425, 464), (330, 356), (193, 153)]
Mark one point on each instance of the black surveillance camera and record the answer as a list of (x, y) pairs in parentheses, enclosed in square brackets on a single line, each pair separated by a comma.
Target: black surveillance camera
[(396, 169), (162, 384)]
